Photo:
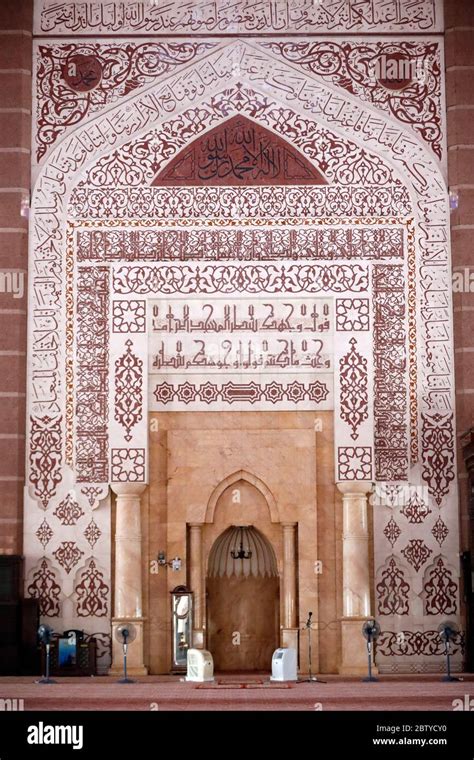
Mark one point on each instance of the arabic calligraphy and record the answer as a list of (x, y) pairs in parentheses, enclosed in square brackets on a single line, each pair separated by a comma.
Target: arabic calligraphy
[(246, 353), (237, 16), (236, 152), (82, 73), (243, 335), (243, 315)]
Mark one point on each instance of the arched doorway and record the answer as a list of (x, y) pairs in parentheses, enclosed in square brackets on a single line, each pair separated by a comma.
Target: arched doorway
[(242, 600)]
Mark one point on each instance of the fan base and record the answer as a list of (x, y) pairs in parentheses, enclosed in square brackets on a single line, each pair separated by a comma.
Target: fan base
[(370, 680), (313, 679), (46, 680)]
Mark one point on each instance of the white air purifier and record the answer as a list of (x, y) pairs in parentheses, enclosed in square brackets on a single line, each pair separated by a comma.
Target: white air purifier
[(200, 666), (284, 665)]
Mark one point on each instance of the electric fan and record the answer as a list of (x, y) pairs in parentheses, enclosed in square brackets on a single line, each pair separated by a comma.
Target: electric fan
[(370, 631), (448, 631), (125, 634), (44, 634)]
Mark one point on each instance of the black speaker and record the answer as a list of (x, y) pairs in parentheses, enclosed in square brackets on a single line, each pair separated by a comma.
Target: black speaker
[(30, 654), (11, 578), (10, 638)]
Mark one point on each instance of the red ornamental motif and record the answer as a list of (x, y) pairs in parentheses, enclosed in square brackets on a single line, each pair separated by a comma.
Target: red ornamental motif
[(94, 75), (416, 553), (186, 392), (92, 533), (128, 316), (91, 493), (45, 456), (317, 391), (208, 392), (128, 390), (128, 465), (163, 203), (392, 531), (68, 511), (438, 453), (231, 392), (354, 462), (416, 509), (353, 388), (274, 392), (44, 533), (248, 244), (353, 313), (359, 69), (411, 643), (296, 391), (92, 593), (246, 278), (390, 375), (68, 555), (45, 588), (104, 647), (439, 590), (92, 387), (440, 531), (393, 591)]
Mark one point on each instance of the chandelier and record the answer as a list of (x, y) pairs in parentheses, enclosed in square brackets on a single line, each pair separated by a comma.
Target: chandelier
[(241, 553)]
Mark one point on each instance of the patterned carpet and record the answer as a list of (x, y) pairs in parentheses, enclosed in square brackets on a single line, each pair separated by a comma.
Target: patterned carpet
[(233, 692)]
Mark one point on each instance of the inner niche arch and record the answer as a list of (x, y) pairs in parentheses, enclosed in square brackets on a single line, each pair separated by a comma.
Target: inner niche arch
[(242, 589)]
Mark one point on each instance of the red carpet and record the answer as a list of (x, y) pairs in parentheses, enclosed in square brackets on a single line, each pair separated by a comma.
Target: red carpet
[(238, 693)]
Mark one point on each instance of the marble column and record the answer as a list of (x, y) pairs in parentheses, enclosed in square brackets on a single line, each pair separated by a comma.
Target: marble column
[(289, 629), (355, 577), (197, 585), (128, 576)]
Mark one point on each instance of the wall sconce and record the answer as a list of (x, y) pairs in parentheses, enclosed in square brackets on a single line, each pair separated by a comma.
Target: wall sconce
[(174, 563)]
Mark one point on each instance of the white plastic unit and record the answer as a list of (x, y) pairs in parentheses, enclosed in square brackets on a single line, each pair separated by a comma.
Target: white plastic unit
[(284, 665), (200, 666)]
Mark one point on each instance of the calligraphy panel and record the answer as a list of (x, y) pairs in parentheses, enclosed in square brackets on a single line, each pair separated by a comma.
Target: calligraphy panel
[(236, 16), (239, 152), (259, 352)]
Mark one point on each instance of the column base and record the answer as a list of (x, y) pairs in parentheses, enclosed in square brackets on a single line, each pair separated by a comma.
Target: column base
[(354, 659), (135, 664), (131, 672)]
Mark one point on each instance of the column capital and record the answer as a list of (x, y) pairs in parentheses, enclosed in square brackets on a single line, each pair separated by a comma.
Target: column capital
[(354, 488), (196, 525), (128, 489), (288, 524)]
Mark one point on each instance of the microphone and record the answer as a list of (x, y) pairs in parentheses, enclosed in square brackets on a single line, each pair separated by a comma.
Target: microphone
[(308, 622)]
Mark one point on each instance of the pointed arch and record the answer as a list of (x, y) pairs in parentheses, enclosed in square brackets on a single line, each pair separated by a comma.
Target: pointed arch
[(235, 477), (277, 89)]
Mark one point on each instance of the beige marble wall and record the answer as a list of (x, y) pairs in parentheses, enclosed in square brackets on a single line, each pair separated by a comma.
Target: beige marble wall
[(288, 453)]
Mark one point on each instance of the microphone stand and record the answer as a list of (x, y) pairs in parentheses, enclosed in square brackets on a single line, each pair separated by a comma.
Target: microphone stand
[(311, 678)]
